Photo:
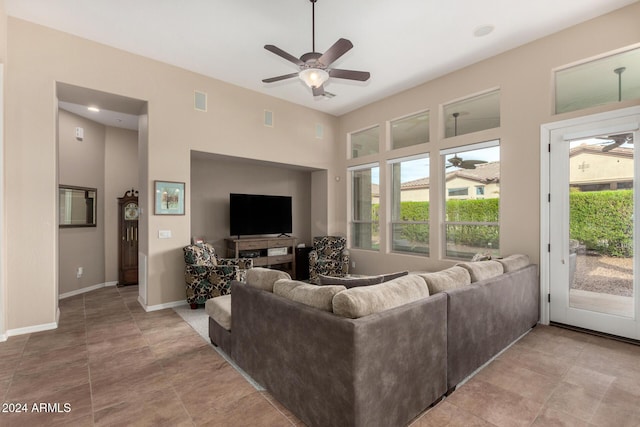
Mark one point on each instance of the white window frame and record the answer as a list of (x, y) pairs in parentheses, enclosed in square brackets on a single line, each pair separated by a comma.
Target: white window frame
[(391, 221)]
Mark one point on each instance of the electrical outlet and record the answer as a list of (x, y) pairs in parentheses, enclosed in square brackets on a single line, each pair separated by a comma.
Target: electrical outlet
[(353, 264), (79, 272)]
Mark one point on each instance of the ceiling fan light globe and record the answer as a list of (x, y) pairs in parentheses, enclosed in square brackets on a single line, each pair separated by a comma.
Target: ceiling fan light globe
[(313, 77)]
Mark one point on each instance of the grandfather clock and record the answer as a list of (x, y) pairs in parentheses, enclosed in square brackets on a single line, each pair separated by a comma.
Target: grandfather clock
[(128, 213)]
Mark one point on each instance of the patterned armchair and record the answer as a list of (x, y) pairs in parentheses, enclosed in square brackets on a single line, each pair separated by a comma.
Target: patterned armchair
[(208, 276), (328, 257)]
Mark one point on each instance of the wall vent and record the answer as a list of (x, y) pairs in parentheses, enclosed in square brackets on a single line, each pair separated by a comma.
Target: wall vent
[(268, 118), (200, 101)]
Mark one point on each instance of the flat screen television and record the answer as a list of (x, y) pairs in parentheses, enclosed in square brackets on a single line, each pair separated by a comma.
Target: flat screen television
[(256, 214)]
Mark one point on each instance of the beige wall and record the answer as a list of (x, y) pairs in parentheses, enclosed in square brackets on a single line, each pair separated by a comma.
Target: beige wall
[(599, 168), (524, 76), (213, 179), (81, 164), (37, 57), (121, 175)]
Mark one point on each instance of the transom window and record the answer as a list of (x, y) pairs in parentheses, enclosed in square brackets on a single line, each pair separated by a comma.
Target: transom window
[(408, 131), (365, 142)]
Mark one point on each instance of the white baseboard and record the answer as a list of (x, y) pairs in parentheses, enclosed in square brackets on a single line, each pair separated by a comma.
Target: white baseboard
[(85, 290), (3, 337), (32, 329), (161, 306)]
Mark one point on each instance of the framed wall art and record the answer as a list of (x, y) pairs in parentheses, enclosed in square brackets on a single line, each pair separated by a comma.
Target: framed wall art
[(169, 197)]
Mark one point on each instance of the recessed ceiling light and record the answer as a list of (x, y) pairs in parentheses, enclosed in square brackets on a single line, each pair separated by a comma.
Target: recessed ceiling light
[(94, 109), (483, 30)]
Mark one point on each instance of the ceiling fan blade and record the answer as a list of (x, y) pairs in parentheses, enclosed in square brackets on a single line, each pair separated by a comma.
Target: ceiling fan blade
[(471, 164), (318, 91), (278, 78), (273, 49), (350, 74), (612, 146), (338, 49)]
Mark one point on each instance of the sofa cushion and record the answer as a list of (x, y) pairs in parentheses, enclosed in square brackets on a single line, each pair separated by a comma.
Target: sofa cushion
[(451, 278), (316, 296), (264, 278), (365, 300), (350, 282), (514, 262), (219, 309), (482, 270)]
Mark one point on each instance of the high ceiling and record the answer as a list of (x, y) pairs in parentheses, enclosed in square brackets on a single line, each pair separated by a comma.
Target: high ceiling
[(402, 43)]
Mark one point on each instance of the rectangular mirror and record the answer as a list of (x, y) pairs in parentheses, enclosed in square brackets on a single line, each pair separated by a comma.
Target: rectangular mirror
[(77, 206)]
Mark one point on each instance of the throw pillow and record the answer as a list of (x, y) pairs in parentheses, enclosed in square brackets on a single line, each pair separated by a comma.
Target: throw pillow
[(264, 278), (482, 270), (451, 278), (350, 282), (514, 262), (391, 276), (319, 297), (364, 300)]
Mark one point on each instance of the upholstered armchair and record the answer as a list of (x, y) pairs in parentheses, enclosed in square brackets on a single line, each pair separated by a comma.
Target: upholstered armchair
[(207, 276), (329, 257)]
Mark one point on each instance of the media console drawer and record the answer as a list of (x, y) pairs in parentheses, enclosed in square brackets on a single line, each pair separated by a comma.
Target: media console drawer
[(250, 244), (281, 259)]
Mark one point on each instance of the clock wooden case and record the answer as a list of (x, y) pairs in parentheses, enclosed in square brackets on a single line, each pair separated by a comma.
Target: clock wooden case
[(128, 214)]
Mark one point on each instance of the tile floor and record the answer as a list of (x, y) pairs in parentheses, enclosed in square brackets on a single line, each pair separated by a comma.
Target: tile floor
[(114, 364)]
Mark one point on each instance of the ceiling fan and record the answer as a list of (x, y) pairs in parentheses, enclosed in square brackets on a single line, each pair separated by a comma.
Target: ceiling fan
[(618, 140), (458, 162), (314, 66)]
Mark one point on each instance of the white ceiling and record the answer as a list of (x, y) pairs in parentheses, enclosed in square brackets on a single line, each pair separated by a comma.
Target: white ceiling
[(402, 42)]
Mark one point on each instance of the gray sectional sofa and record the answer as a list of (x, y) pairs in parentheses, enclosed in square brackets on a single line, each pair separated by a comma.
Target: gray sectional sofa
[(373, 355)]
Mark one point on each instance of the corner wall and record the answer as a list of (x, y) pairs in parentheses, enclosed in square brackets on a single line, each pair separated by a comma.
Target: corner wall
[(37, 57), (525, 78)]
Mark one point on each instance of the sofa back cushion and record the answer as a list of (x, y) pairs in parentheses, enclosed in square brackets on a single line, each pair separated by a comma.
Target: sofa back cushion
[(514, 262), (451, 278), (364, 300), (482, 270), (264, 278), (320, 297)]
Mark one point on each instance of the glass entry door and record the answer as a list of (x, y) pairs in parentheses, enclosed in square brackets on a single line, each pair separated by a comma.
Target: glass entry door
[(593, 227)]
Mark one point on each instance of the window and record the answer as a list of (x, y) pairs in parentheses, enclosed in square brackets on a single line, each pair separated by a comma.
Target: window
[(410, 131), (454, 192), (365, 142), (365, 205), (607, 80), (471, 219), (472, 114), (410, 205)]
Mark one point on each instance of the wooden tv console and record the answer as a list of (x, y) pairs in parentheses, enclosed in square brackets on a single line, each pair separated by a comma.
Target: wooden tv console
[(259, 248)]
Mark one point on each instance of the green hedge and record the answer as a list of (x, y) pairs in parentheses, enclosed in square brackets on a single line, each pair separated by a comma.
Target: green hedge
[(603, 221), (482, 210)]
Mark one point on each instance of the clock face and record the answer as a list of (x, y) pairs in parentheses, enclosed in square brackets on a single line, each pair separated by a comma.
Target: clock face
[(131, 211)]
